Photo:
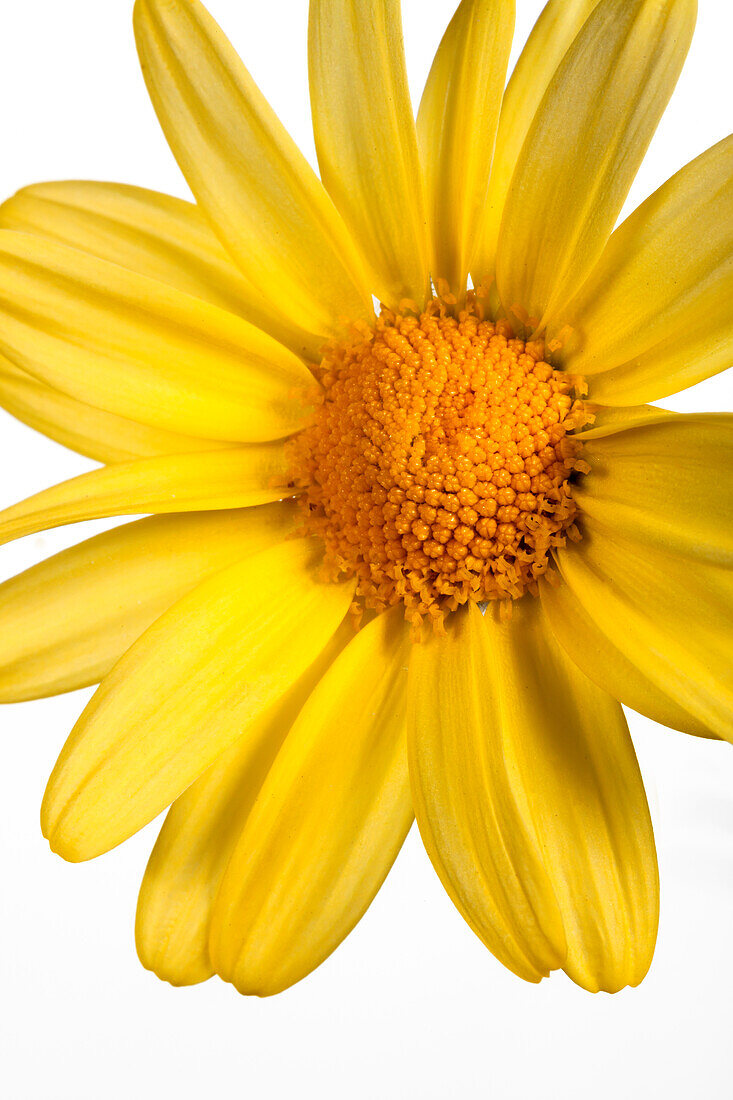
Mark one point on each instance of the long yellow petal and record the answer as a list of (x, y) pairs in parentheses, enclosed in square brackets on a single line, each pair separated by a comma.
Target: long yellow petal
[(617, 673), (236, 478), (656, 315), (666, 614), (484, 852), (140, 349), (185, 692), (200, 831), (543, 51), (542, 759), (93, 432), (265, 202), (456, 128), (584, 147), (328, 822), (65, 622), (668, 484), (366, 141), (576, 778), (156, 235)]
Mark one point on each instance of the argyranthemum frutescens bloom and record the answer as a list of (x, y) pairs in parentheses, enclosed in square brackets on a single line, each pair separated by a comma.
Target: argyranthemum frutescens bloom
[(404, 564)]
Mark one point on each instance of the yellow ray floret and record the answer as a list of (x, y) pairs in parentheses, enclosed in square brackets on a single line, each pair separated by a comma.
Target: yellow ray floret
[(247, 174), (366, 141), (93, 432), (552, 34), (327, 825), (66, 622), (157, 235), (555, 808), (201, 830), (584, 147), (171, 706), (462, 97), (237, 478), (668, 616), (142, 349), (657, 313)]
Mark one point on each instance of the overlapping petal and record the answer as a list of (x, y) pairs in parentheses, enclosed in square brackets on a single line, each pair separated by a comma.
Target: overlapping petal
[(185, 692), (200, 831), (93, 432), (530, 802), (65, 622), (456, 126), (165, 238), (263, 199), (610, 419), (143, 350), (576, 629), (327, 824), (666, 614), (668, 483), (239, 477), (656, 314), (485, 853), (543, 51), (366, 141), (583, 149)]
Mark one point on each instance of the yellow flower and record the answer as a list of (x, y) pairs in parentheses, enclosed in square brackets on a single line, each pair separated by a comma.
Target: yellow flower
[(396, 565)]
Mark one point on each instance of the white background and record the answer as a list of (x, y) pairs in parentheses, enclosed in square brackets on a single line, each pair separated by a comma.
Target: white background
[(411, 1005)]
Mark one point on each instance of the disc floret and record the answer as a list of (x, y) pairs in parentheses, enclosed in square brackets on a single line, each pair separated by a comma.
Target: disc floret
[(437, 468)]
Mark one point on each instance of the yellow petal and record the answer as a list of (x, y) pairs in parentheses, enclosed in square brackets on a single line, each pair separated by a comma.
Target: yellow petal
[(365, 139), (617, 673), (265, 202), (666, 614), (584, 147), (484, 852), (200, 831), (156, 235), (236, 478), (327, 825), (656, 315), (185, 692), (668, 483), (576, 778), (608, 420), (538, 778), (140, 349), (543, 51), (65, 622), (93, 432), (456, 127)]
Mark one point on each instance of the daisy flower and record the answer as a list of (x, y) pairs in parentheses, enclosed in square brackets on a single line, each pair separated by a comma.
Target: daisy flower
[(399, 561)]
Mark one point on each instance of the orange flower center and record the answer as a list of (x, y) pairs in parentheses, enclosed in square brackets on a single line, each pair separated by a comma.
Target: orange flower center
[(437, 467)]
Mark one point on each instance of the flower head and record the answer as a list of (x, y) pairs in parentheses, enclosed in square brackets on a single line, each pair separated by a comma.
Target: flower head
[(403, 563)]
